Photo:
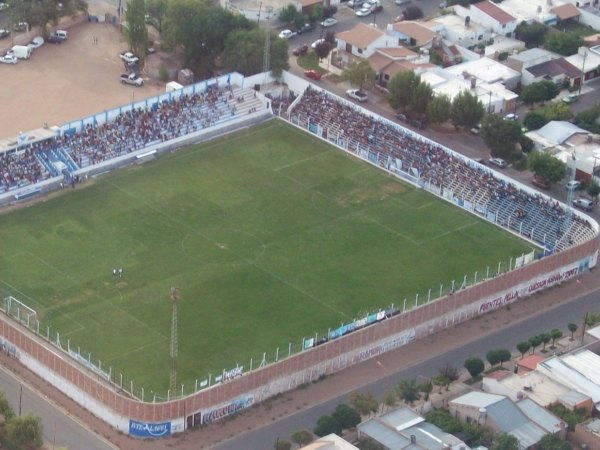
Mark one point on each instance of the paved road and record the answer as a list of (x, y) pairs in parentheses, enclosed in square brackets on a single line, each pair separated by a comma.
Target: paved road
[(263, 438), (60, 429)]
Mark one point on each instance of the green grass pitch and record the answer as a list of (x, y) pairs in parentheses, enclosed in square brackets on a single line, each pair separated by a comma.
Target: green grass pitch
[(270, 235)]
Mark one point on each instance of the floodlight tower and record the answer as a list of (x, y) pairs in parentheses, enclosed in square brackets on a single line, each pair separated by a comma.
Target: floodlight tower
[(267, 55), (174, 299)]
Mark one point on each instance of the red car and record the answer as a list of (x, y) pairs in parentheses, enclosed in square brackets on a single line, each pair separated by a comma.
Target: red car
[(301, 50), (313, 74)]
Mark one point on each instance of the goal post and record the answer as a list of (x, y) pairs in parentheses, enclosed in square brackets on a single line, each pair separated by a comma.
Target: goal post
[(20, 311)]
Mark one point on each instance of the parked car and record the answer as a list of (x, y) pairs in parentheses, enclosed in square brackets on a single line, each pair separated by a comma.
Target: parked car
[(498, 162), (306, 28), (61, 34), (476, 129), (300, 50), (418, 124), (355, 3), (317, 42), (571, 98), (572, 185), (364, 11), (583, 203), (374, 2), (133, 79), (357, 94), (540, 182), (402, 2), (511, 117), (329, 22), (312, 74), (54, 39), (287, 34), (129, 57), (401, 117), (4, 33), (36, 42), (20, 26), (8, 59)]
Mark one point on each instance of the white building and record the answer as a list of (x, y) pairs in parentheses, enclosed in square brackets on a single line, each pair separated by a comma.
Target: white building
[(491, 16), (363, 40), (488, 71)]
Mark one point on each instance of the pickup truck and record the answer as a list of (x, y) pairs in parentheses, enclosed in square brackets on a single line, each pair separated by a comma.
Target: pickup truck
[(133, 79), (357, 95), (129, 57)]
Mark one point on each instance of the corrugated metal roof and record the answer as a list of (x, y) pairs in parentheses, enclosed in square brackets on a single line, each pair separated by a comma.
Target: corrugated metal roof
[(528, 434), (506, 415), (568, 376), (558, 131), (586, 363), (528, 55), (573, 398), (540, 416), (382, 434), (477, 399), (402, 418)]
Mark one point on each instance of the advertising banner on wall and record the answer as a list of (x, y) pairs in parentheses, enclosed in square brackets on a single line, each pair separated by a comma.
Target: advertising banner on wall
[(145, 429), (220, 412)]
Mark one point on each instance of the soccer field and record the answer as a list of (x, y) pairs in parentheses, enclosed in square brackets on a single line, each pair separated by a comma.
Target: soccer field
[(270, 235)]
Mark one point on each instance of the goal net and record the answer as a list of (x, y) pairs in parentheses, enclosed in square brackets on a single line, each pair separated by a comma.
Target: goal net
[(20, 311)]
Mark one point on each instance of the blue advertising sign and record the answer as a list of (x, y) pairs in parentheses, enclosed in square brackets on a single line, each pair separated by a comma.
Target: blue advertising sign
[(144, 429)]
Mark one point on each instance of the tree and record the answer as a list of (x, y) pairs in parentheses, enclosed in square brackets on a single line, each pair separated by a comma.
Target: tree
[(282, 444), (556, 111), (505, 441), (408, 390), (322, 50), (572, 328), (347, 416), (5, 408), (547, 166), (467, 110), (46, 12), (157, 10), (360, 74), (553, 442), (523, 348), (366, 443), (390, 399), (492, 357), (299, 21), (527, 145), (532, 34), (594, 190), (135, 29), (413, 13), (327, 425), (500, 135), (441, 381), (317, 13), (400, 87), (564, 44), (420, 98), (556, 334), (545, 337), (534, 120), (439, 109), (474, 365), (535, 342), (426, 388), (244, 52), (504, 355), (288, 13), (364, 403), (449, 371), (25, 430), (539, 91), (302, 437)]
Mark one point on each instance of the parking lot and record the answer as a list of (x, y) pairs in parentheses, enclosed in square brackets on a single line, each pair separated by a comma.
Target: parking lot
[(67, 81)]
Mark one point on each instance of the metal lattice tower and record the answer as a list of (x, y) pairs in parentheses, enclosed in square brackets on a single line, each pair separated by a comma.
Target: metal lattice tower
[(267, 55), (570, 194), (173, 379)]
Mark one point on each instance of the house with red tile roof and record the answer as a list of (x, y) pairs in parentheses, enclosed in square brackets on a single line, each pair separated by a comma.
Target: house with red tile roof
[(491, 16)]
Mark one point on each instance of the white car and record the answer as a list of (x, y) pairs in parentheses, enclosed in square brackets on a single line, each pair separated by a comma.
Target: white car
[(287, 34), (129, 57), (498, 162), (374, 2), (357, 94), (511, 117), (36, 42), (317, 42), (364, 11), (402, 2), (329, 22), (8, 59), (572, 185)]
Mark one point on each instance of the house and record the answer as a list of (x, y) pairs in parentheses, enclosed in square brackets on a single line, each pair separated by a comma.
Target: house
[(306, 6), (362, 40), (528, 423), (460, 31), (329, 442), (529, 363), (413, 33), (488, 71), (586, 61), (566, 12), (528, 58), (536, 10), (559, 71), (490, 16), (387, 62), (404, 429)]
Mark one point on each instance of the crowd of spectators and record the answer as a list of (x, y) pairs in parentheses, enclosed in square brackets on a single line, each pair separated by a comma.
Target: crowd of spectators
[(129, 131), (428, 161)]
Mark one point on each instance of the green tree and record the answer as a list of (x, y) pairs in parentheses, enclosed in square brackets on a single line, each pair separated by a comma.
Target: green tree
[(546, 166), (46, 12), (523, 348), (535, 342), (302, 437), (282, 444), (299, 21), (25, 430), (594, 190), (157, 10), (366, 443), (347, 416), (532, 34), (288, 13), (322, 50), (467, 110), (446, 421), (365, 404), (426, 388), (317, 13), (360, 74), (135, 29), (500, 135), (244, 52), (390, 399), (504, 355), (408, 390), (556, 111), (440, 381), (539, 91), (420, 98), (413, 13), (545, 337), (534, 120), (439, 109), (492, 357), (327, 425), (5, 408), (400, 87), (555, 333), (505, 441), (572, 328), (474, 366), (527, 145), (553, 442), (564, 44)]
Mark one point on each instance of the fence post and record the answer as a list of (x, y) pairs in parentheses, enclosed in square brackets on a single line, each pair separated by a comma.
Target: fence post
[(404, 306)]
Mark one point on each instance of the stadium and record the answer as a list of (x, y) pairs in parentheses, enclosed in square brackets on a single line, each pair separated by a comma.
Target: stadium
[(262, 254)]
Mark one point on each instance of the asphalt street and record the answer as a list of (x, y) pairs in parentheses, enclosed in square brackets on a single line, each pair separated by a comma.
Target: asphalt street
[(60, 428), (507, 337)]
